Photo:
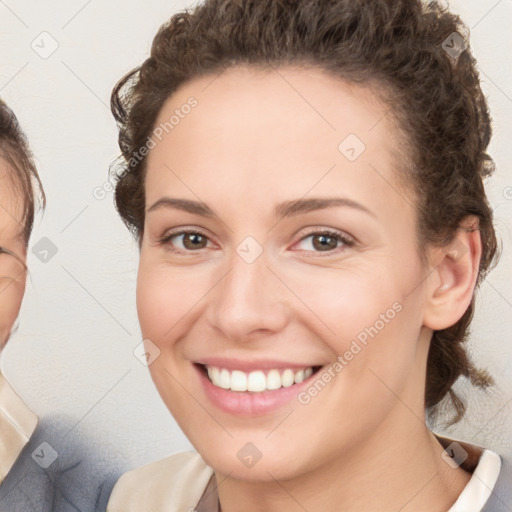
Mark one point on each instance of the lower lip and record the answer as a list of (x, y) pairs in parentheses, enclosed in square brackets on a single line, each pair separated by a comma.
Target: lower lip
[(247, 403)]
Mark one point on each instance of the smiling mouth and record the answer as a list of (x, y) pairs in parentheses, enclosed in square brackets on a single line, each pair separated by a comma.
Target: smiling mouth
[(257, 381)]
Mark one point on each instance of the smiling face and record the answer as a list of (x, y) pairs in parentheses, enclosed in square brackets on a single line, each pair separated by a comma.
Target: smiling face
[(298, 275), (12, 254)]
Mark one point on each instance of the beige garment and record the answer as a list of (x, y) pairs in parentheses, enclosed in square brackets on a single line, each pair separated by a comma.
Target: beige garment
[(184, 483), (174, 484), (17, 424)]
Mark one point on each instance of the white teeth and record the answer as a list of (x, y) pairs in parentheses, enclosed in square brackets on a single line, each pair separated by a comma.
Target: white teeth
[(238, 381), (288, 378), (213, 373), (224, 379), (256, 381), (273, 380), (299, 376)]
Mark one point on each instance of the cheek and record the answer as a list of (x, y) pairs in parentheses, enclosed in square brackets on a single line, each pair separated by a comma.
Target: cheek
[(368, 319), (156, 302), (11, 295), (343, 301), (161, 304), (165, 297)]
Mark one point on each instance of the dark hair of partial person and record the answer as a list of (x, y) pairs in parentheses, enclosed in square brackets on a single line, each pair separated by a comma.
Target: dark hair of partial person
[(21, 170), (396, 49)]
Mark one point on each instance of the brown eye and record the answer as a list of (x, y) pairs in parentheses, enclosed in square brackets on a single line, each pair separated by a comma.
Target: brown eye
[(185, 241), (194, 241), (325, 241)]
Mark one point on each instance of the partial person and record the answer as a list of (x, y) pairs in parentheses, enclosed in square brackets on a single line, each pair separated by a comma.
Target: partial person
[(19, 188), (47, 465)]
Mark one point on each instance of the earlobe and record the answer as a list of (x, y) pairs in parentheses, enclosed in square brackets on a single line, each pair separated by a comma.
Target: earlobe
[(453, 278)]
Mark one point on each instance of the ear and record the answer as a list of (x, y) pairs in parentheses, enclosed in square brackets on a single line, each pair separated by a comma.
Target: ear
[(453, 276)]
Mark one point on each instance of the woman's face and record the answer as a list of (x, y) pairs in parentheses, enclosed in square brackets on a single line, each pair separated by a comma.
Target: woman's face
[(12, 271), (300, 257)]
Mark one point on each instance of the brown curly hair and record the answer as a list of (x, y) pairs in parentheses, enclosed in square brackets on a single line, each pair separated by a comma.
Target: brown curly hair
[(434, 97), (15, 152)]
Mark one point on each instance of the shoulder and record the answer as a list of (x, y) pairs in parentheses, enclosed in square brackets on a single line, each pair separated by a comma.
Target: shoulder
[(172, 484), (62, 468)]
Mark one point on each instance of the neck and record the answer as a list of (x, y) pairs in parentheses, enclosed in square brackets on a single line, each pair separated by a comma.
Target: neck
[(399, 468)]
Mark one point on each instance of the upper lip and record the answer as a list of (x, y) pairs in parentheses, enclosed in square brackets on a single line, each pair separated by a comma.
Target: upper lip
[(252, 365)]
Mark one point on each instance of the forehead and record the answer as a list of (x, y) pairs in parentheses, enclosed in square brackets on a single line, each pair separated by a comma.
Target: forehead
[(11, 204), (276, 131)]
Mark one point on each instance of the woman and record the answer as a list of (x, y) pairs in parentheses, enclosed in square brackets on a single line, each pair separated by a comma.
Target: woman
[(305, 182)]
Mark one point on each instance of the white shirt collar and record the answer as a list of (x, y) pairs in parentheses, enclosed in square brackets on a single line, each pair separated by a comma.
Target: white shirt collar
[(17, 424), (479, 488)]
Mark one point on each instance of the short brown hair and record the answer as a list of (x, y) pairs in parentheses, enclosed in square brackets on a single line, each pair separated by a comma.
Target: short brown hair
[(14, 150), (435, 97)]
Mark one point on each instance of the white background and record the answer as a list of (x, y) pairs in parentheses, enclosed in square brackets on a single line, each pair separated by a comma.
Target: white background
[(73, 350)]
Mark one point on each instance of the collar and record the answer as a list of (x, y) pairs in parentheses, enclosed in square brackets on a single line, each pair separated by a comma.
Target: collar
[(17, 423), (209, 501), (481, 485)]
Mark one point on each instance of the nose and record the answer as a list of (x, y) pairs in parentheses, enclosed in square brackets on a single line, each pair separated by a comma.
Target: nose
[(249, 301)]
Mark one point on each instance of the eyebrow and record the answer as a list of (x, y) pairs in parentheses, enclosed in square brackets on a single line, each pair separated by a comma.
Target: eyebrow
[(285, 209)]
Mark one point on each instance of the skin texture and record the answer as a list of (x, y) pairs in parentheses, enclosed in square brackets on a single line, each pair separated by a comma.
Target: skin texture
[(12, 270), (255, 140)]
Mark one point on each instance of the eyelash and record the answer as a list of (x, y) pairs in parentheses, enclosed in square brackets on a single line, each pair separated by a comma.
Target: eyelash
[(346, 240)]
